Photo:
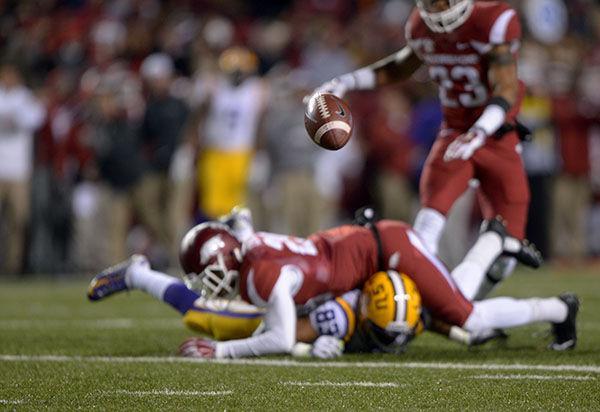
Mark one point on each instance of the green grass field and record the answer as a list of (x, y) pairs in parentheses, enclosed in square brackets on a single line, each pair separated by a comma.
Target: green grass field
[(60, 352)]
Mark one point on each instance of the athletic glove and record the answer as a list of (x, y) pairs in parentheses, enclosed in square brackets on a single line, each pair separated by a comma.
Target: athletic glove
[(327, 347), (198, 348), (465, 145)]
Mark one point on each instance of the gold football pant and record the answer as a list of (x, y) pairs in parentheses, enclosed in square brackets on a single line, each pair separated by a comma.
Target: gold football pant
[(222, 179)]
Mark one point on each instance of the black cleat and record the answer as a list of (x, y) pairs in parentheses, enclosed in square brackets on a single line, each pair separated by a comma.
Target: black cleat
[(494, 225), (565, 333), (525, 252)]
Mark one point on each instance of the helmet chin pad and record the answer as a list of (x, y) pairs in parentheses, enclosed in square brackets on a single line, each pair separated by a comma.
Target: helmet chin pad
[(445, 21)]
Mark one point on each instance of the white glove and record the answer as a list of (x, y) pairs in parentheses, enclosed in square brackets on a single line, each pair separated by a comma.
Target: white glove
[(327, 347), (465, 145), (198, 348), (335, 86), (361, 79)]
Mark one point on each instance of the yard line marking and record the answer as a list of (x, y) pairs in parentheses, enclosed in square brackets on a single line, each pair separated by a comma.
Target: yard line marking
[(299, 364), (11, 401), (538, 377), (342, 384), (118, 323), (169, 392)]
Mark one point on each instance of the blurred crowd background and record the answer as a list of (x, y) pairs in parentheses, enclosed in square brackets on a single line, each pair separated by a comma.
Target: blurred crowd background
[(124, 122)]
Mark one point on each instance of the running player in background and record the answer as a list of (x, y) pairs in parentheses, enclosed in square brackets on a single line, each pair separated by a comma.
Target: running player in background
[(470, 50), (228, 127)]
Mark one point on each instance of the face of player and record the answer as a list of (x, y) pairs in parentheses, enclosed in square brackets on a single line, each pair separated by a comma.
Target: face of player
[(436, 6), (443, 16)]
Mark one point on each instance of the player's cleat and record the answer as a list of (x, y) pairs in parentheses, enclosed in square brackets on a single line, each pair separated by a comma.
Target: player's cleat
[(565, 333), (494, 225), (524, 251), (112, 280)]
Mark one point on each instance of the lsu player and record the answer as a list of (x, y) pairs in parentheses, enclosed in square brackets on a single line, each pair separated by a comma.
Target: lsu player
[(470, 50), (286, 275), (228, 132)]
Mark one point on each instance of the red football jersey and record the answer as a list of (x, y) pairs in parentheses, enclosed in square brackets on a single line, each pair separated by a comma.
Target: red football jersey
[(455, 60), (331, 262), (335, 261)]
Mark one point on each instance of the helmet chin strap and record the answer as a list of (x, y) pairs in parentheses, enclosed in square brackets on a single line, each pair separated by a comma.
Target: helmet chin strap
[(237, 253)]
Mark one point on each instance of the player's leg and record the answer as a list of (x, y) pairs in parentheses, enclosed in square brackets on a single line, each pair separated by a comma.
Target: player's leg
[(504, 312), (471, 272), (500, 170), (441, 184), (405, 252), (136, 274)]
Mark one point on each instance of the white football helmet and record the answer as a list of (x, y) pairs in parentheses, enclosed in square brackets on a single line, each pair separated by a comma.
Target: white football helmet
[(445, 21), (210, 255)]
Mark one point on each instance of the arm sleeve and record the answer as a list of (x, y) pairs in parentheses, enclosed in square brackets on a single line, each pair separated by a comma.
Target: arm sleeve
[(280, 325)]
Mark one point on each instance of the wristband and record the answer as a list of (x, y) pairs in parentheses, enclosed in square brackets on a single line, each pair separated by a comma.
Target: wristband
[(492, 118), (500, 101)]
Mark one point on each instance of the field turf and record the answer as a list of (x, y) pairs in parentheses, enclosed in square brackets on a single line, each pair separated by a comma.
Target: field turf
[(60, 352)]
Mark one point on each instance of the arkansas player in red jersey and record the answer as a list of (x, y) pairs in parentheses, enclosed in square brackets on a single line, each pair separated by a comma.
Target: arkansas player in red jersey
[(470, 51), (283, 274)]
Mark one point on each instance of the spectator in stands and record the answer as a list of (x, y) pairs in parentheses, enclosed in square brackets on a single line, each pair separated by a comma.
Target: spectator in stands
[(160, 134), (572, 189), (293, 159), (390, 149), (119, 163), (21, 114)]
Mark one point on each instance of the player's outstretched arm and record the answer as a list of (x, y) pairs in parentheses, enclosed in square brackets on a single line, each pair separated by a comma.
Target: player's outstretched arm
[(394, 68), (280, 325)]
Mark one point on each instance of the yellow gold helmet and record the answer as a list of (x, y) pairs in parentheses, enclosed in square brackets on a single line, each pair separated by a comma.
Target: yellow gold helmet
[(390, 311), (238, 60)]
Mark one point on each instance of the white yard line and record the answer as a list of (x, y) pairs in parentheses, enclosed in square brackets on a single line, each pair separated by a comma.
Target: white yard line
[(11, 401), (344, 384), (114, 323), (290, 363), (538, 377), (168, 392)]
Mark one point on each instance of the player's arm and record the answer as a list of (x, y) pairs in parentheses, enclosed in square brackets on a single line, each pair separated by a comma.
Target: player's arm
[(394, 68), (504, 82), (280, 326), (502, 75)]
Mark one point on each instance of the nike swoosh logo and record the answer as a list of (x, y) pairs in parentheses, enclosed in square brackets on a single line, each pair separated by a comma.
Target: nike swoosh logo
[(340, 110)]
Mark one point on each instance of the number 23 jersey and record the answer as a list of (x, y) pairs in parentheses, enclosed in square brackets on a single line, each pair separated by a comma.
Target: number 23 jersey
[(456, 61), (326, 264)]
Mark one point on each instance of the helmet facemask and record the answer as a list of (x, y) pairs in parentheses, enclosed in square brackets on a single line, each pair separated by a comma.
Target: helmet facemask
[(448, 20), (218, 272)]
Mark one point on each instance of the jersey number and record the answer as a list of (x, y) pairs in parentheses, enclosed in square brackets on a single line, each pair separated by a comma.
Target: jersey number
[(327, 324), (475, 92), (294, 244)]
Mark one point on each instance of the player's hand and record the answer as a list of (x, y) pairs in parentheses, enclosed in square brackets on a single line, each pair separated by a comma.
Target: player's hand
[(335, 86), (198, 348), (465, 145), (327, 347)]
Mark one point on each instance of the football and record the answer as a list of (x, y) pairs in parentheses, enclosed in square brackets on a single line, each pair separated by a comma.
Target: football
[(328, 121)]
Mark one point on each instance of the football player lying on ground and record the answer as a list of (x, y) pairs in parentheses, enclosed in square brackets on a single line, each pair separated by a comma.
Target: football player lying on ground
[(378, 328), (278, 272)]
